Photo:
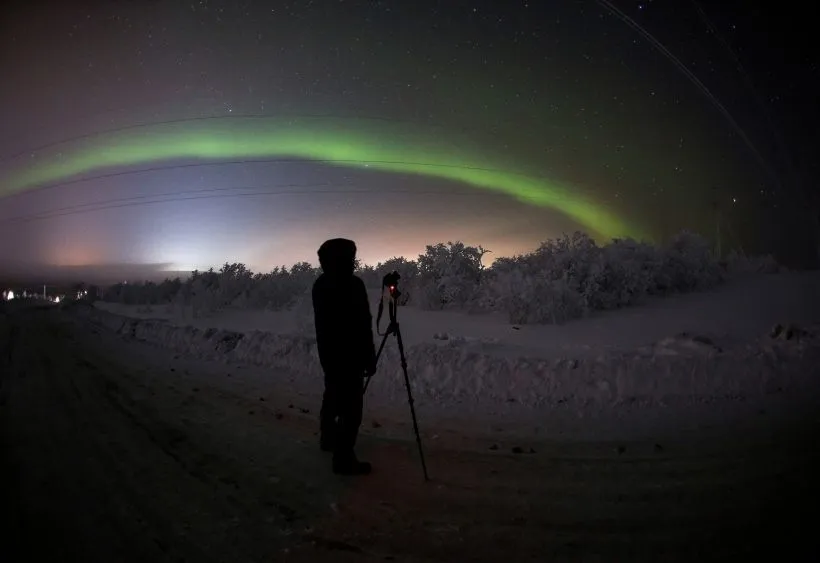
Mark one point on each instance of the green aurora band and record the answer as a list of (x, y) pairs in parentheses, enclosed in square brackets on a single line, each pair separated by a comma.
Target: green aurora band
[(386, 147)]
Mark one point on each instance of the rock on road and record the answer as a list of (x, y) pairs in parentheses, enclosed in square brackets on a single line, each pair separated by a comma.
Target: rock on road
[(117, 451)]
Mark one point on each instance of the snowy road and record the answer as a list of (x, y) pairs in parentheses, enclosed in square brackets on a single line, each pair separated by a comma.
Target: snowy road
[(118, 451)]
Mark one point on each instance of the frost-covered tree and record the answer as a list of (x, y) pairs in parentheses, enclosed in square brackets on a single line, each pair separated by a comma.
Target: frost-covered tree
[(448, 275), (622, 273), (572, 276), (687, 264), (564, 278), (282, 287)]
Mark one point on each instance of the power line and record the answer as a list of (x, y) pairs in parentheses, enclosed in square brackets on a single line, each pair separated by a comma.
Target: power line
[(751, 86), (167, 194), (248, 116), (275, 160), (105, 206), (614, 10), (75, 138), (799, 188)]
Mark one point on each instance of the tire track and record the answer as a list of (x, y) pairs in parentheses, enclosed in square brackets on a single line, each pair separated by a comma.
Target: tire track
[(114, 456), (96, 452)]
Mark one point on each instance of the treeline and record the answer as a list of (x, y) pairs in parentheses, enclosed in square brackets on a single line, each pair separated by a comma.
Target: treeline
[(565, 278)]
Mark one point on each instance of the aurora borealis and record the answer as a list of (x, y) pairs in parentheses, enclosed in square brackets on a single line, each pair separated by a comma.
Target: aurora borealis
[(377, 147), (499, 125)]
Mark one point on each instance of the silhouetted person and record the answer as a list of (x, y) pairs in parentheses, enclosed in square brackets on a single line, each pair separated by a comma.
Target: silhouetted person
[(344, 337)]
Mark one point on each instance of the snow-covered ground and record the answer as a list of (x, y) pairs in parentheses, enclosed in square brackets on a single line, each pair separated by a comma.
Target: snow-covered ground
[(607, 365), (199, 444), (742, 310), (120, 450)]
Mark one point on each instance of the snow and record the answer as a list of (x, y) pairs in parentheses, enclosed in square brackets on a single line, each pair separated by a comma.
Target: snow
[(229, 454), (683, 350), (743, 309)]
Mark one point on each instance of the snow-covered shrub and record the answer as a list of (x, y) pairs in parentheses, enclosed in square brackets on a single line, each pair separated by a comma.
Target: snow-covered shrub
[(369, 275), (621, 274), (572, 276), (131, 293), (264, 292), (448, 275), (687, 264), (496, 284), (203, 297), (167, 290), (302, 309), (233, 283), (182, 298), (737, 263), (565, 278), (535, 298), (545, 286), (282, 288)]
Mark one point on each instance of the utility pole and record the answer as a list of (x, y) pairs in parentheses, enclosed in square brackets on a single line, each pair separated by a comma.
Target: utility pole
[(814, 223), (718, 238), (736, 238)]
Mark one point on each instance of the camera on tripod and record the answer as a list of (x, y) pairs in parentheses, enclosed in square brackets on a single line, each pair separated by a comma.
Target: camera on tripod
[(391, 282)]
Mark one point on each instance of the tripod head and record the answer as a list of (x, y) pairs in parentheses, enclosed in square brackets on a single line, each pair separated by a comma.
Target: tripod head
[(390, 282)]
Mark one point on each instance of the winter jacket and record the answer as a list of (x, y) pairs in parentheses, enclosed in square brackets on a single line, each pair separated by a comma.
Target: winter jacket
[(344, 325)]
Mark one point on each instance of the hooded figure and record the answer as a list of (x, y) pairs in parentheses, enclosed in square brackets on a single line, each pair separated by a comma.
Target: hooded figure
[(344, 338)]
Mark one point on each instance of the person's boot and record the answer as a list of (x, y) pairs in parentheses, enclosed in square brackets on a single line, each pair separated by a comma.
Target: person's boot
[(328, 434), (348, 464)]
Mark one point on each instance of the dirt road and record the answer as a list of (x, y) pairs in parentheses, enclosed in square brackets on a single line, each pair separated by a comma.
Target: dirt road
[(118, 451)]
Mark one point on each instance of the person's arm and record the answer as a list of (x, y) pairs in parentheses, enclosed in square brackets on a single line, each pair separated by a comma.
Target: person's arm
[(318, 317), (365, 328)]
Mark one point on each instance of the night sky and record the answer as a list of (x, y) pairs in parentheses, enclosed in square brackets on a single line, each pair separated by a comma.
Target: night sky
[(395, 123)]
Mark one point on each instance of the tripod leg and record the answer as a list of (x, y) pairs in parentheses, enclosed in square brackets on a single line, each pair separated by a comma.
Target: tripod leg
[(378, 354), (410, 399)]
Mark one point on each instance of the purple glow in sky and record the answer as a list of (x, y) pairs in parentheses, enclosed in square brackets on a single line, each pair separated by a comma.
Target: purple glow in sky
[(566, 89)]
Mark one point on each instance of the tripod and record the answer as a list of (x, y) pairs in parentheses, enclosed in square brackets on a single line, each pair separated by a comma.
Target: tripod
[(393, 328)]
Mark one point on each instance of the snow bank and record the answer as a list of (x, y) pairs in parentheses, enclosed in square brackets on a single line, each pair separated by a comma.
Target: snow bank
[(723, 314), (678, 369)]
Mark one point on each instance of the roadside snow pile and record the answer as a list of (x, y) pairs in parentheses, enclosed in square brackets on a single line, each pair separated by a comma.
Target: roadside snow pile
[(683, 368)]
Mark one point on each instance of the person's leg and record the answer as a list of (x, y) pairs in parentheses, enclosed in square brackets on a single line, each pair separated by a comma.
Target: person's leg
[(350, 419), (328, 426), (351, 404)]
